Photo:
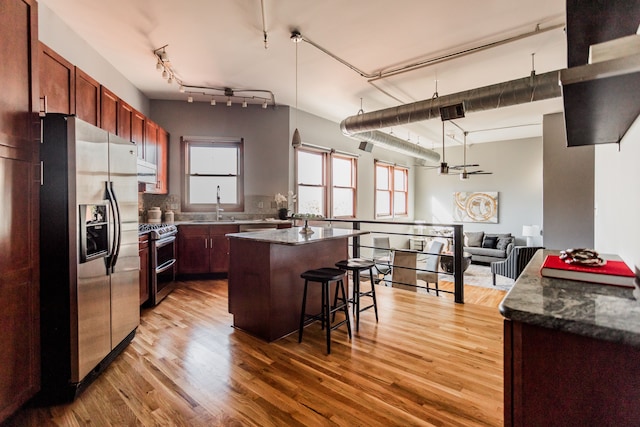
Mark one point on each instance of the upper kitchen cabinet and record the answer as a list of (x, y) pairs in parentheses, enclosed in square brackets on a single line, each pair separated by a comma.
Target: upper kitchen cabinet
[(155, 155), (87, 98), (601, 87), (108, 110), (162, 156), (19, 201), (57, 82), (137, 132), (125, 113)]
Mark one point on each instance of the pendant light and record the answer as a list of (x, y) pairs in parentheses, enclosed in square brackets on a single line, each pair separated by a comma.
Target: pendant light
[(296, 141)]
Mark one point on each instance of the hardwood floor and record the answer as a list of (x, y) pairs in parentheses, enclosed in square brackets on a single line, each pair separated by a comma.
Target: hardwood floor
[(428, 361)]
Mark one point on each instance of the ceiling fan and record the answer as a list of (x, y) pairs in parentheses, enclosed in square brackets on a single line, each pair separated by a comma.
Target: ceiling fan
[(464, 175), (448, 113)]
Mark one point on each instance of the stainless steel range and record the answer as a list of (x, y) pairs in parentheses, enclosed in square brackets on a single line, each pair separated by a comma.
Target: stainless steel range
[(162, 259)]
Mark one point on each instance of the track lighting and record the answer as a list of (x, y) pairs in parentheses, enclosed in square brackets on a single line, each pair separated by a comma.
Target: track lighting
[(163, 65)]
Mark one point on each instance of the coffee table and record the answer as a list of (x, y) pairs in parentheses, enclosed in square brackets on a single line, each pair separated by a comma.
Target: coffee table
[(446, 261)]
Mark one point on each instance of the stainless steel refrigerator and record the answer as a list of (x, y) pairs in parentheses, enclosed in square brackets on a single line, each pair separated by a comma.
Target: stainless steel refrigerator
[(89, 264)]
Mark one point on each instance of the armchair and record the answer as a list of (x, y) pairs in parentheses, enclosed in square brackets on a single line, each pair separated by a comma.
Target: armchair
[(517, 260)]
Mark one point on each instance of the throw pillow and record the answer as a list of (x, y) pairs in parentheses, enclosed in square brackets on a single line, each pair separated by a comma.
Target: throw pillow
[(503, 242), (489, 242), (473, 238)]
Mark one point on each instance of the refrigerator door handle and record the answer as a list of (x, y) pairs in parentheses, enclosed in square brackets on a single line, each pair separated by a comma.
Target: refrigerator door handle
[(115, 247)]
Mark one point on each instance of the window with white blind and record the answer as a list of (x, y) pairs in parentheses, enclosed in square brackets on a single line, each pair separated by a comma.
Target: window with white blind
[(209, 164)]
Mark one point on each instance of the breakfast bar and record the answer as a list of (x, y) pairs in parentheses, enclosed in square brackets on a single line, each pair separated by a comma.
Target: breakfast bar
[(571, 351), (265, 287)]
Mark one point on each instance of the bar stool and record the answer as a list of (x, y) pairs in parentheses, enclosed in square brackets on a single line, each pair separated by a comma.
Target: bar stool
[(356, 265), (325, 276)]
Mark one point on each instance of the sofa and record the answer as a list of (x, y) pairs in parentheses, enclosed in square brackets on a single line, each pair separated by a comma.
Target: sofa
[(487, 247)]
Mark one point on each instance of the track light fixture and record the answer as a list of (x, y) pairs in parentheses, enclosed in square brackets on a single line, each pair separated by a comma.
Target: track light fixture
[(253, 96)]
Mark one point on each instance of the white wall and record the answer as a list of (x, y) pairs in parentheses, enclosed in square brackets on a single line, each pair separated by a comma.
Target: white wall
[(617, 197), (517, 177), (58, 36)]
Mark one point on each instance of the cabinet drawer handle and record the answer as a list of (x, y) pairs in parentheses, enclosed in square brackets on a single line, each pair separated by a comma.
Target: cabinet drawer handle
[(205, 243)]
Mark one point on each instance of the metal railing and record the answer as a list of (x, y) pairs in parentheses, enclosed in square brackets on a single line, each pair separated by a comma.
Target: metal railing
[(403, 235)]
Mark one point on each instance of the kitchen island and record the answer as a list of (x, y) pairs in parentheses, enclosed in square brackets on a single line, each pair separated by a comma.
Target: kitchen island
[(571, 352), (265, 288)]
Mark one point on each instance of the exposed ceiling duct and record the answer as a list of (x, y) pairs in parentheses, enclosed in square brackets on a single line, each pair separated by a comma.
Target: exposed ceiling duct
[(527, 89), (390, 142)]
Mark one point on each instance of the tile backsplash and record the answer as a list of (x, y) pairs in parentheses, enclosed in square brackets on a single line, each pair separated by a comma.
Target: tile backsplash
[(255, 207)]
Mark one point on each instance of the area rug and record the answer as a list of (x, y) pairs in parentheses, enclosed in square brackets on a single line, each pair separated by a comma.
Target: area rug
[(480, 275)]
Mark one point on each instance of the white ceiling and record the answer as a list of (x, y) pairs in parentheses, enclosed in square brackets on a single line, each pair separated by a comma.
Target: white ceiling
[(219, 43)]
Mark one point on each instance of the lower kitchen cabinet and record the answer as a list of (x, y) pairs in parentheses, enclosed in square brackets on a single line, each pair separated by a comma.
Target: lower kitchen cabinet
[(557, 378), (204, 248), (143, 253)]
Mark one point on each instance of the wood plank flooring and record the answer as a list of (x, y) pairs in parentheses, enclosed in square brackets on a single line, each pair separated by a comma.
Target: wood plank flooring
[(428, 361)]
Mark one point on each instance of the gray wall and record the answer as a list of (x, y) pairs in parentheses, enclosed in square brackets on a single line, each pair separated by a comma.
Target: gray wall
[(517, 177), (268, 155), (568, 189)]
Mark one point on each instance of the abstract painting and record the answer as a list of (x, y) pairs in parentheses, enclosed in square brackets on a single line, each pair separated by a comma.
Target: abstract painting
[(475, 206)]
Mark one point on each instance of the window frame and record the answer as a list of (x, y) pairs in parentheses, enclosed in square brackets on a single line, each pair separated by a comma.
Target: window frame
[(327, 173), (391, 171), (213, 142)]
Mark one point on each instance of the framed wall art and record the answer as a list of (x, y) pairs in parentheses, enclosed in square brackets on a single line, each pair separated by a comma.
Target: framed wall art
[(475, 206)]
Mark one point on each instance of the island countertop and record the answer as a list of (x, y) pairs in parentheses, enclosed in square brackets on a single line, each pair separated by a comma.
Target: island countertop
[(609, 313), (293, 236)]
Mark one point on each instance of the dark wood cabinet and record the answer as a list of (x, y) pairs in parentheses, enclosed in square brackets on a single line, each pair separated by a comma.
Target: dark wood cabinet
[(143, 253), (137, 132), (87, 98), (125, 113), (57, 82), (204, 248), (108, 110), (19, 205), (162, 160), (559, 378)]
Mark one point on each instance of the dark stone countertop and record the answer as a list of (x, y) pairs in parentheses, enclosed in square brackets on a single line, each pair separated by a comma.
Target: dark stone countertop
[(605, 312)]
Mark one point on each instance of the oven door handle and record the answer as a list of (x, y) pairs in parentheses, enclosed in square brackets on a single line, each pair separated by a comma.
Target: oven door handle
[(164, 267), (165, 241)]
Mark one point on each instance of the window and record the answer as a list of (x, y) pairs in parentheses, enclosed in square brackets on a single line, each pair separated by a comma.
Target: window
[(209, 164), (392, 190), (326, 182), (343, 173)]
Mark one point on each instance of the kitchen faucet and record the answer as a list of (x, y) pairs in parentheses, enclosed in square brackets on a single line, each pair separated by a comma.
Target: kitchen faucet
[(218, 210)]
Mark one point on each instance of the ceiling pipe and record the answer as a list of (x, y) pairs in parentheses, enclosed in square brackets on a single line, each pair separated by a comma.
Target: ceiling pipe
[(514, 92), (390, 142)]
